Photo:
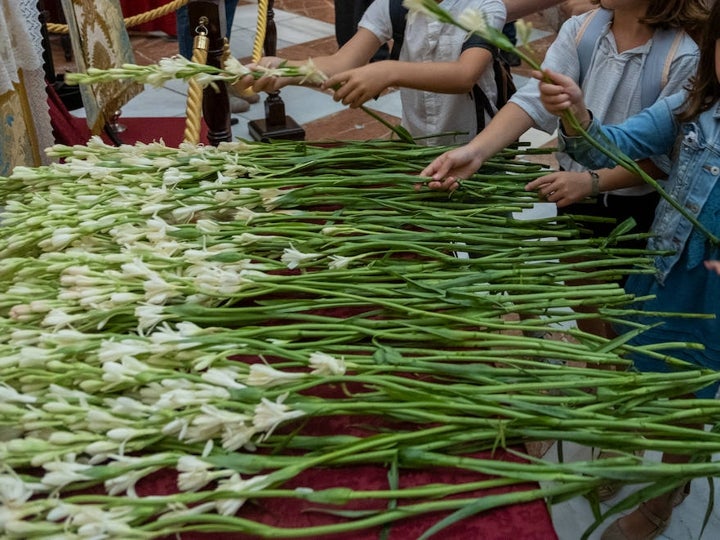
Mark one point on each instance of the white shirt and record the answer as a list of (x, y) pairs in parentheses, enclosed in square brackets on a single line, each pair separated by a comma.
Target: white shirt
[(612, 84), (428, 40)]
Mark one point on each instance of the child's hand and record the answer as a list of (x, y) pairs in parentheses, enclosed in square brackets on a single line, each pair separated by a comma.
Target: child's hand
[(563, 188), (713, 265), (446, 171), (356, 86), (268, 83), (562, 94), (245, 84)]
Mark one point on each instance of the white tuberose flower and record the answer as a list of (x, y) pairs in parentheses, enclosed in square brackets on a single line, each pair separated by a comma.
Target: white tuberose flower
[(62, 473), (196, 473), (474, 21), (13, 491), (524, 29), (269, 415), (325, 364), (293, 258), (148, 316), (8, 394), (232, 65), (167, 68), (225, 377), (229, 507), (311, 74), (264, 375)]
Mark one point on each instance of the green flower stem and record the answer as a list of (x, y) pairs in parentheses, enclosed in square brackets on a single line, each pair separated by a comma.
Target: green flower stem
[(216, 523)]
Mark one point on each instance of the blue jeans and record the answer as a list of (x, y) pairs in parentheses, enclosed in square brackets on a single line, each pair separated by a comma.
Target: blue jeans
[(185, 34)]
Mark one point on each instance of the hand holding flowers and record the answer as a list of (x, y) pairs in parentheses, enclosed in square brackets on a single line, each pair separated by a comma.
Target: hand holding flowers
[(561, 94)]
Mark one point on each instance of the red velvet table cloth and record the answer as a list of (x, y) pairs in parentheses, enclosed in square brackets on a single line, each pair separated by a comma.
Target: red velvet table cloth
[(525, 521)]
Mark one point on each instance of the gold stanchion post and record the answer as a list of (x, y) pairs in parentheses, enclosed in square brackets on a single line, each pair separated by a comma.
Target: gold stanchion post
[(215, 103)]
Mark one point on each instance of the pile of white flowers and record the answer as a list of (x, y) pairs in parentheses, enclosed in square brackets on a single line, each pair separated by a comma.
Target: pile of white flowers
[(186, 310)]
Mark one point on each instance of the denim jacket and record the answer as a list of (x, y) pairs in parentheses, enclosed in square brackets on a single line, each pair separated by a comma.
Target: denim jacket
[(695, 170)]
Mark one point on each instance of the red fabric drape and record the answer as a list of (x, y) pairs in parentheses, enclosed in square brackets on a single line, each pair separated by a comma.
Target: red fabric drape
[(71, 130), (165, 23), (67, 129)]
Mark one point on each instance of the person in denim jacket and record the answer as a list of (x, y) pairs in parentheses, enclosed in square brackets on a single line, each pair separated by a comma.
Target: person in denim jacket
[(687, 126)]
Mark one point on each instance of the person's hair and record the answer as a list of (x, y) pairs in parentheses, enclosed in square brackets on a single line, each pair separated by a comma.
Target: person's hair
[(690, 15), (704, 86)]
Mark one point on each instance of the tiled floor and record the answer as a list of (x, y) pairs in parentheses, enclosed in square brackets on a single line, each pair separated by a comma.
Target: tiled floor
[(305, 28)]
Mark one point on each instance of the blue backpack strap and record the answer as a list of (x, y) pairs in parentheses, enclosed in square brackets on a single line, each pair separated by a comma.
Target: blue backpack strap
[(398, 19), (657, 63), (588, 36)]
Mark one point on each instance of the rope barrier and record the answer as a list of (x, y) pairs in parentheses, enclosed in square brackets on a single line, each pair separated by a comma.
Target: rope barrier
[(259, 42), (135, 20), (193, 110)]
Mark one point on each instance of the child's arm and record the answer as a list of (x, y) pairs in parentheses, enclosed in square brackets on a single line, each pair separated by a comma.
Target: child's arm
[(356, 86), (508, 124), (356, 52), (565, 187), (649, 133)]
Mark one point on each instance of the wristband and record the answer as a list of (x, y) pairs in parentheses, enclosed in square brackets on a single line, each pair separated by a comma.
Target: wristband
[(594, 183)]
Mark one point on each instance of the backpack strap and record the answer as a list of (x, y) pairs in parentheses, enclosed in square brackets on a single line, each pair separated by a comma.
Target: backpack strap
[(588, 36), (656, 70), (398, 20)]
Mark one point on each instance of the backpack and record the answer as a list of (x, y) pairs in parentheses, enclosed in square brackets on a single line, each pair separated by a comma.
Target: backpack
[(501, 69), (657, 64)]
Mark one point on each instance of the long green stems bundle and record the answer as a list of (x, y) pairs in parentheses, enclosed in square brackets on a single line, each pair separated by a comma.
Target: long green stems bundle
[(136, 279)]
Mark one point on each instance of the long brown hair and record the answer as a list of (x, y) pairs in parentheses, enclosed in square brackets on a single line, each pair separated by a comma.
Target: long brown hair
[(705, 87), (690, 15)]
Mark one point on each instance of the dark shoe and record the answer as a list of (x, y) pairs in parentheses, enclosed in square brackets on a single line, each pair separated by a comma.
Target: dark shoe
[(616, 532), (680, 494), (238, 105), (607, 491)]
